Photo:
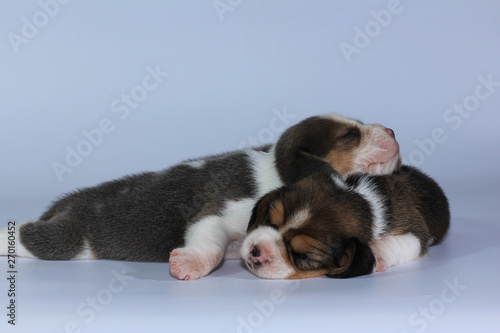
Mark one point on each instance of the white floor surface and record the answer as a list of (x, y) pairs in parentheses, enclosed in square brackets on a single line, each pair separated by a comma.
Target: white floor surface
[(454, 289)]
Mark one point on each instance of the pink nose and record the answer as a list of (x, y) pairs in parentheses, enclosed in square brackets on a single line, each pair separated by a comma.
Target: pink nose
[(390, 132), (258, 256)]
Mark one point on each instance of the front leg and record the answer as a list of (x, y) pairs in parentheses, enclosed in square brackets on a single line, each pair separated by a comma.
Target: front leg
[(205, 244), (191, 263)]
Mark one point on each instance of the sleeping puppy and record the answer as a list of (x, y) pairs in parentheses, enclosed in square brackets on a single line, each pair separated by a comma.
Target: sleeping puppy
[(323, 225), (195, 214)]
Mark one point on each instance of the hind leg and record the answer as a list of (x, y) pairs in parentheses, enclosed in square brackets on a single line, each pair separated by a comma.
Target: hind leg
[(60, 238), (11, 244), (396, 250)]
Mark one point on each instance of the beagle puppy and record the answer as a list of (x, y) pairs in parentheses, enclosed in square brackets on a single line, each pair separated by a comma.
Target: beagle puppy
[(323, 225), (195, 214)]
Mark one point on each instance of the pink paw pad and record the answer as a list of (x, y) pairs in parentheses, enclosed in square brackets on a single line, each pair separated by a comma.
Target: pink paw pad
[(188, 265), (380, 266)]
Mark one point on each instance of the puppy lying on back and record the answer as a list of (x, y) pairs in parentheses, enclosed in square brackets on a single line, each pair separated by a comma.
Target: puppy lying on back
[(195, 214), (322, 225)]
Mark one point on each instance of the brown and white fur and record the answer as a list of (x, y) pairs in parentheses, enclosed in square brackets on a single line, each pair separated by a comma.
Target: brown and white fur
[(195, 214), (326, 226)]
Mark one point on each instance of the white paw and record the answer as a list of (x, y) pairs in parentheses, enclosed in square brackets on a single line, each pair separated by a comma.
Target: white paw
[(189, 264)]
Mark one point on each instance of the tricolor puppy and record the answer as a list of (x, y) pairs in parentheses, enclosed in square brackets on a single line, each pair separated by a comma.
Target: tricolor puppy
[(195, 214), (324, 225)]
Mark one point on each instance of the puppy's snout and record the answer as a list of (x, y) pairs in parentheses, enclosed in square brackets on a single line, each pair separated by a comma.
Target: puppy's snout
[(390, 132)]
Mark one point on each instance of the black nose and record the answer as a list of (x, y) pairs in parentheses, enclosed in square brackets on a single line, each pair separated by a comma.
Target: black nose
[(390, 132), (255, 252)]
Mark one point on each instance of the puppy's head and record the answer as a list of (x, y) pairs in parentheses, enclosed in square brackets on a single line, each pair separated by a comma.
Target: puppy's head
[(349, 146), (309, 229)]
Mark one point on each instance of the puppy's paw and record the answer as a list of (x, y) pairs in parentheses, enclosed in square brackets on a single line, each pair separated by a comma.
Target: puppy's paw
[(189, 264), (380, 265)]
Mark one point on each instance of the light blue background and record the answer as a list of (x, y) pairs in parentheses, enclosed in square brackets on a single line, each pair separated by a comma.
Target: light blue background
[(226, 77), (229, 74)]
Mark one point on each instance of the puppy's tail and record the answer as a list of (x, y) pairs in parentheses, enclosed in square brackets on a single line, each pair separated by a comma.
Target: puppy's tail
[(10, 243)]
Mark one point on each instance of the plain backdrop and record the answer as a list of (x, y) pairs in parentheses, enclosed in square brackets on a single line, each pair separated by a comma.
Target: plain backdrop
[(94, 90)]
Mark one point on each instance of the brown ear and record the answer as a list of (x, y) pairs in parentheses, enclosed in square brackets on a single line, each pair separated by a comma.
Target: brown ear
[(356, 259), (260, 211), (301, 149), (306, 164)]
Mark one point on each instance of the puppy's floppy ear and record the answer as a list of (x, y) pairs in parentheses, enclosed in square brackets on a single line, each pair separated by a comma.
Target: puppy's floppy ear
[(261, 209), (356, 259), (301, 148), (306, 164)]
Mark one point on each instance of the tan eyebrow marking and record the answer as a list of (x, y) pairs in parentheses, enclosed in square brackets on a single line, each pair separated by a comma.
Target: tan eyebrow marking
[(277, 213)]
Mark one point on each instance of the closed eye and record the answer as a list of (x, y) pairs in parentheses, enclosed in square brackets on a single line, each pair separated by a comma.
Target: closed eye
[(306, 252), (300, 258), (351, 133), (306, 262)]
